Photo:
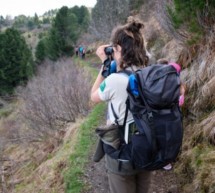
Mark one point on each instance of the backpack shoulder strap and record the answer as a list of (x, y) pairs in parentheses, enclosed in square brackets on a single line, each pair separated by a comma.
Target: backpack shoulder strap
[(114, 114), (127, 72)]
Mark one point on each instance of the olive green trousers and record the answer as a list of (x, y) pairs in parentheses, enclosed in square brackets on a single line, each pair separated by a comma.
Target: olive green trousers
[(138, 183)]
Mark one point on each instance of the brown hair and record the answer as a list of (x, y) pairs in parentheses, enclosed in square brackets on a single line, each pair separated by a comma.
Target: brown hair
[(130, 38), (162, 61)]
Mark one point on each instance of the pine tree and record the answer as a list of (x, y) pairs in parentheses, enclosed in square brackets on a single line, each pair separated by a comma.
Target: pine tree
[(40, 53), (83, 17), (16, 64), (63, 34)]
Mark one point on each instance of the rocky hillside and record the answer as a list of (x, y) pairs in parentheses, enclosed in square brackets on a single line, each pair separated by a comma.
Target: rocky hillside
[(196, 164)]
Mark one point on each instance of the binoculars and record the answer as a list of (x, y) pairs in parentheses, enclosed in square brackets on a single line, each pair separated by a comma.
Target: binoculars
[(108, 50)]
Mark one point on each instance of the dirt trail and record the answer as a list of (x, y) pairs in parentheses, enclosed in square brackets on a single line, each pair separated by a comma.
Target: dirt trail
[(96, 177)]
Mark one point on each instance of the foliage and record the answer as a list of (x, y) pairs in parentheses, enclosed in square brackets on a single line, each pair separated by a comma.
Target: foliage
[(196, 165), (2, 21), (41, 50), (136, 4), (36, 19), (23, 21), (67, 27), (196, 17), (83, 17), (16, 64), (62, 34)]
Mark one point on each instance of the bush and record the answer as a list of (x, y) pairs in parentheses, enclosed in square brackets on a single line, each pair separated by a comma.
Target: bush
[(58, 94)]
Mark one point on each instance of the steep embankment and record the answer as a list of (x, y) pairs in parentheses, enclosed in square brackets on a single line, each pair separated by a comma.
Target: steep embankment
[(34, 165), (195, 169), (198, 155)]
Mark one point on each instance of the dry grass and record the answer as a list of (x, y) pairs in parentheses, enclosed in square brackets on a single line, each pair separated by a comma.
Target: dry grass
[(41, 166), (199, 78), (196, 165), (196, 169), (208, 127)]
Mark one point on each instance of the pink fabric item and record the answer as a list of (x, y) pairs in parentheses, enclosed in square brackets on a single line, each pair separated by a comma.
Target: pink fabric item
[(181, 100), (176, 66)]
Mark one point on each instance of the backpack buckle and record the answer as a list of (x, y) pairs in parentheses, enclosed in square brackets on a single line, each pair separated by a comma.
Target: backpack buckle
[(150, 116)]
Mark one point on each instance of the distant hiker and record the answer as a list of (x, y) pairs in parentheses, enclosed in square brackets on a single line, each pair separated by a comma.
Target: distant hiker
[(80, 50), (129, 52), (83, 53), (76, 50)]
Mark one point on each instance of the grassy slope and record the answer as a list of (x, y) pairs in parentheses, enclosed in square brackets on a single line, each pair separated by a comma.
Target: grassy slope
[(62, 169), (79, 158), (85, 142)]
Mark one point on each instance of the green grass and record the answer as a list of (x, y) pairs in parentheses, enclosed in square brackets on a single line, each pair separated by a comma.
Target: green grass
[(85, 64), (79, 159), (5, 112), (86, 139)]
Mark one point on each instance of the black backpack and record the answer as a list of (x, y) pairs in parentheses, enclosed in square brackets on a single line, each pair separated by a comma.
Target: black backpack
[(158, 136)]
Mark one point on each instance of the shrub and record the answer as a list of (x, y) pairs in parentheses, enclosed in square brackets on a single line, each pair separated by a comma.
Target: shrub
[(58, 94)]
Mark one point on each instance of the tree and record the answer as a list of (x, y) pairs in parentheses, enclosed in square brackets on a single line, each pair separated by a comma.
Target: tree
[(20, 21), (67, 27), (83, 17), (63, 34), (40, 53), (16, 64), (46, 20), (30, 24), (36, 19), (2, 21)]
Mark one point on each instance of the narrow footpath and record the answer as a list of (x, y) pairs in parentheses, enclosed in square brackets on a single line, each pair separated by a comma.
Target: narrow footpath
[(96, 177)]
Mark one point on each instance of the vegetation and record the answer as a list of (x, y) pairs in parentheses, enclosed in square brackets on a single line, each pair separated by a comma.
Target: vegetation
[(22, 21), (195, 17), (66, 28), (54, 96), (196, 165), (16, 64), (57, 95), (40, 53), (136, 4), (78, 160)]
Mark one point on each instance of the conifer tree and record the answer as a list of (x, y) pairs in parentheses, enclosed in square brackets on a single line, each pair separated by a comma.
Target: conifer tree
[(16, 64), (63, 34), (40, 53)]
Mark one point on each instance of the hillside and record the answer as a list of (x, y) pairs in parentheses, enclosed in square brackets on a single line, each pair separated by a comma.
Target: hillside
[(195, 169), (63, 162)]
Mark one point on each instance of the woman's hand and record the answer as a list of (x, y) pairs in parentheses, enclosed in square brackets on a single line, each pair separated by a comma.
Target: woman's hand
[(101, 53)]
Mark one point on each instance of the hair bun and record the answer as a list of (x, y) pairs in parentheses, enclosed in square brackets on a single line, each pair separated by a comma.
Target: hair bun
[(134, 25)]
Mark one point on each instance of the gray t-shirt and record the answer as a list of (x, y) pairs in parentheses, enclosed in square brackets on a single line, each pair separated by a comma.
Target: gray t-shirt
[(113, 90)]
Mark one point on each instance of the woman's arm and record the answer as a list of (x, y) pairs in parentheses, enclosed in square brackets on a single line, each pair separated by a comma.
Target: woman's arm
[(95, 89)]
